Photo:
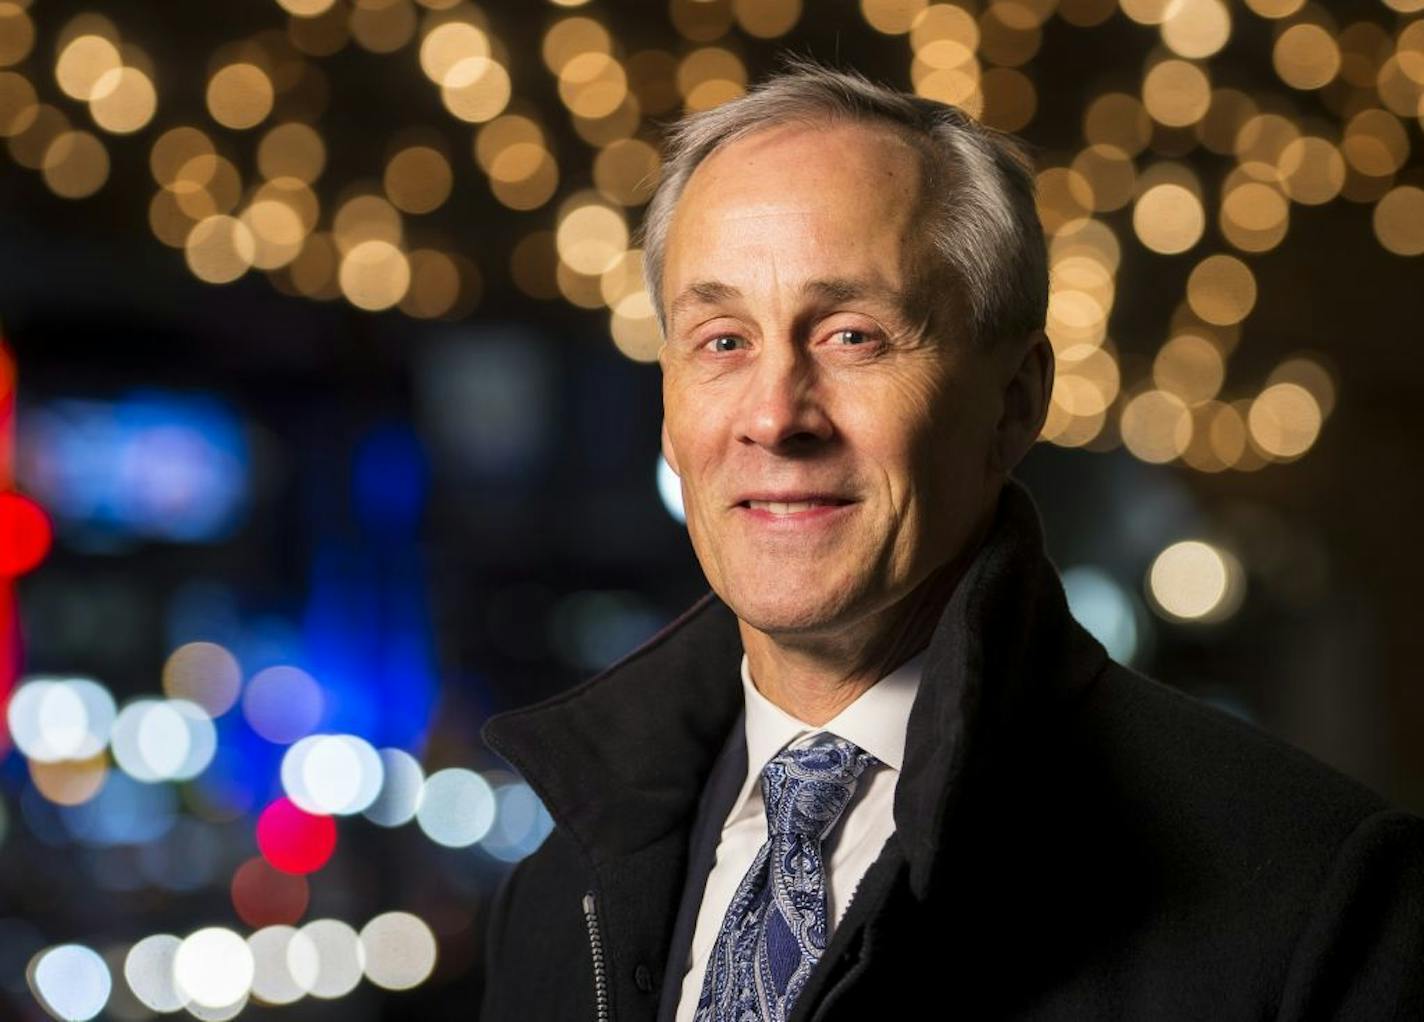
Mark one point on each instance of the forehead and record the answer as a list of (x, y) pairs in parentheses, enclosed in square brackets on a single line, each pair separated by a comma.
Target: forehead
[(796, 198)]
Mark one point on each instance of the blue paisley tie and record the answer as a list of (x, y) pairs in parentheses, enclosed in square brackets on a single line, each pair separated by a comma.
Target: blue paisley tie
[(776, 926)]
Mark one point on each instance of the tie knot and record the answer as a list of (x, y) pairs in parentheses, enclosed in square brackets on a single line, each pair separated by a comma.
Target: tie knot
[(807, 789)]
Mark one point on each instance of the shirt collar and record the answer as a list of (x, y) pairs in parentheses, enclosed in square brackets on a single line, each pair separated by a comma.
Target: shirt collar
[(876, 722)]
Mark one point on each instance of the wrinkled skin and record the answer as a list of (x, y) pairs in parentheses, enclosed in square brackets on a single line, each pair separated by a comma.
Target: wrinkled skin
[(800, 363)]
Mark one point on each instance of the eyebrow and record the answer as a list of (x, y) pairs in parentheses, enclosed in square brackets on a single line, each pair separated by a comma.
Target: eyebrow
[(826, 289)]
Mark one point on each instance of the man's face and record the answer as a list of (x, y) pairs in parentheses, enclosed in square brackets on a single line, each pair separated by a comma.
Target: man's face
[(832, 454)]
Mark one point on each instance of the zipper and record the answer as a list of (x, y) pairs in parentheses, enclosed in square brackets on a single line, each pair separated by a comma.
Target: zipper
[(600, 981)]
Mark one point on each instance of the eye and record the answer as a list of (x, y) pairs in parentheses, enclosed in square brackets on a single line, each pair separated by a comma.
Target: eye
[(724, 342), (851, 336)]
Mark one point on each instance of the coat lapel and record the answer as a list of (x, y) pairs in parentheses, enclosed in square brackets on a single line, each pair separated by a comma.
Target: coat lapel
[(620, 761)]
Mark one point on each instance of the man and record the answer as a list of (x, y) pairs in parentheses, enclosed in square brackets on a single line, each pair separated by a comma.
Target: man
[(880, 771)]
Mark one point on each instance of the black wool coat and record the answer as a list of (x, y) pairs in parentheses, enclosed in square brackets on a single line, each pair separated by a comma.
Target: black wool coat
[(1073, 840)]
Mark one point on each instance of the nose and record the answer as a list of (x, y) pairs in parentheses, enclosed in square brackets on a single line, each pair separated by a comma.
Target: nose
[(782, 410)]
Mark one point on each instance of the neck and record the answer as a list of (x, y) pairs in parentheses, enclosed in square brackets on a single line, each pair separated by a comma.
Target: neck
[(813, 677)]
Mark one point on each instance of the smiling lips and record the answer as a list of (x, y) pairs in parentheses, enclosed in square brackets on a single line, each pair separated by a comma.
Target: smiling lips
[(783, 506)]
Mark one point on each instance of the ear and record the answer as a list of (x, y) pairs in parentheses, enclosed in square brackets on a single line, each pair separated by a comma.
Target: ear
[(1026, 397), (668, 454)]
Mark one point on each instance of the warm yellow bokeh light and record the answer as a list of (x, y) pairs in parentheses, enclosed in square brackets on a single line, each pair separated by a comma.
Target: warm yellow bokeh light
[(766, 19), (220, 249), (635, 328), (418, 179), (292, 150), (1306, 56), (1110, 174), (124, 100), (382, 26), (1168, 218), (1399, 220), (18, 103), (1189, 367), (1312, 170), (374, 275), (447, 45), (366, 218), (476, 89), (1195, 581), (17, 33), (1285, 420), (1375, 143), (1307, 372), (1221, 290), (626, 171), (1196, 28), (1156, 426), (1176, 93), (590, 236), (1118, 120), (892, 17), (174, 149), (75, 165), (1275, 8), (83, 62), (70, 782), (434, 284), (306, 8), (240, 96)]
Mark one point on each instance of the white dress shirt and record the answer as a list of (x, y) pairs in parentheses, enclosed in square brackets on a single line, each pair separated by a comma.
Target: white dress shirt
[(876, 722)]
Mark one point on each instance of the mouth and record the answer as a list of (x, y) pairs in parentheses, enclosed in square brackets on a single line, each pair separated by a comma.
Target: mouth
[(787, 505)]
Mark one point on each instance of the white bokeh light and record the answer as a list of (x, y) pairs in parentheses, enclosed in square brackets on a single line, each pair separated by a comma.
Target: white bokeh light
[(56, 719), (457, 807), (1104, 608), (521, 823), (213, 968), (340, 957), (163, 740), (670, 490), (400, 789), (274, 948), (71, 982), (148, 968), (332, 774), (400, 950)]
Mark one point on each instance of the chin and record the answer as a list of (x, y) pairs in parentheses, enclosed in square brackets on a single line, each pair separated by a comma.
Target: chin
[(787, 609)]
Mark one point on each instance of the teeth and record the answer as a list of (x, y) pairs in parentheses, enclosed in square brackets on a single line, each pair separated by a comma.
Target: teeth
[(783, 508)]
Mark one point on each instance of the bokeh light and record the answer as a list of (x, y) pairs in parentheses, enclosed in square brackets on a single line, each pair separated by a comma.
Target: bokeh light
[(148, 969), (203, 673), (275, 950), (57, 719), (457, 807), (294, 840), (399, 950), (332, 774), (283, 704), (1195, 581), (263, 895), (163, 740), (340, 958), (213, 968), (1105, 609), (71, 982), (402, 784)]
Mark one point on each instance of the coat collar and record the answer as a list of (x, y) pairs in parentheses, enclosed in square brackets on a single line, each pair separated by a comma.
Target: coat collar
[(620, 760)]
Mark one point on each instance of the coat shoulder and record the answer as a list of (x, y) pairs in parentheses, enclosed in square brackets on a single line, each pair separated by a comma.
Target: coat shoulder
[(1198, 755), (1243, 807)]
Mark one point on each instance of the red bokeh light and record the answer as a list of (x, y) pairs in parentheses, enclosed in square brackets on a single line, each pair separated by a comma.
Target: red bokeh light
[(25, 534), (293, 840), (266, 896)]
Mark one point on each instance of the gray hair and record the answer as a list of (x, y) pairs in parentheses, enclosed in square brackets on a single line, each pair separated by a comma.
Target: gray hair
[(981, 223)]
